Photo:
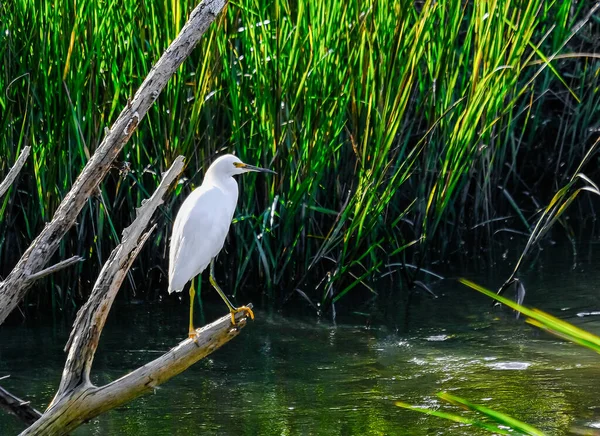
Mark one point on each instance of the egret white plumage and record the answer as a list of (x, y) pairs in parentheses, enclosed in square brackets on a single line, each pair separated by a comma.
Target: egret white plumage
[(201, 227)]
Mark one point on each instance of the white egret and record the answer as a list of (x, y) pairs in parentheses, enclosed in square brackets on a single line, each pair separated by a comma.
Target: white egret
[(201, 226)]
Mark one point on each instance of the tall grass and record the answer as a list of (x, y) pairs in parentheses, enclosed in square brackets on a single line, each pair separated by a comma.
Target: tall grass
[(394, 126)]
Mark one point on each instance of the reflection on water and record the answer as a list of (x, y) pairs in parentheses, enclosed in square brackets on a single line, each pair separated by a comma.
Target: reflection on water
[(286, 375)]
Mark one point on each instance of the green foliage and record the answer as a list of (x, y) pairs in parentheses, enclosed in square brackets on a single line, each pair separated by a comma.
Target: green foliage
[(544, 321), (508, 422), (385, 120), (555, 209)]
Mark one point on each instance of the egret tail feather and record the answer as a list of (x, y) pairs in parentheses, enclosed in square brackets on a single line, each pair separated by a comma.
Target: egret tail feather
[(173, 289)]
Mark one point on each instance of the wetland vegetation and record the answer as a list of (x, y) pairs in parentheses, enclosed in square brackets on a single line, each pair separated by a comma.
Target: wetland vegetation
[(402, 132), (412, 140)]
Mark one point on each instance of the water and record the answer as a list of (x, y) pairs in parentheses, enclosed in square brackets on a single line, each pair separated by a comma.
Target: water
[(287, 375)]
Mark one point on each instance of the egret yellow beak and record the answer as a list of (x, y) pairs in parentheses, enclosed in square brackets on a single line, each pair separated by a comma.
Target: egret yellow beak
[(253, 168)]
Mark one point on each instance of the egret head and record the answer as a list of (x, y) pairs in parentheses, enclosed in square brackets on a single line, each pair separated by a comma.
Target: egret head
[(230, 165)]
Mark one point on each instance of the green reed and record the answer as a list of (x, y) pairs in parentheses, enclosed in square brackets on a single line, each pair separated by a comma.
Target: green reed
[(489, 417), (385, 120)]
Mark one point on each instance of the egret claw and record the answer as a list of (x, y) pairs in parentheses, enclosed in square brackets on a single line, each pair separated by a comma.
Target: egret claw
[(241, 309)]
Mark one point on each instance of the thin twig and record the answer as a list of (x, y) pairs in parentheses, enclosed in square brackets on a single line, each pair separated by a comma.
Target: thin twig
[(56, 267), (14, 171)]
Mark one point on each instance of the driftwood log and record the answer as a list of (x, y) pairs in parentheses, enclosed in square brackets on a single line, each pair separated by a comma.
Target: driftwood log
[(16, 284), (77, 399)]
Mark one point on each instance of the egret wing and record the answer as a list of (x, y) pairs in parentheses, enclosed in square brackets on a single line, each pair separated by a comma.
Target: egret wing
[(198, 235)]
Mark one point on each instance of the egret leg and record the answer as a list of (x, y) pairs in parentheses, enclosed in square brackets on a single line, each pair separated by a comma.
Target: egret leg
[(192, 330), (232, 309)]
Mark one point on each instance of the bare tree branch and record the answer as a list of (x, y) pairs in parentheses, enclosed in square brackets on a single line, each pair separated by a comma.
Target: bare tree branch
[(77, 400), (21, 409), (57, 267), (14, 171), (91, 317), (15, 286), (88, 401)]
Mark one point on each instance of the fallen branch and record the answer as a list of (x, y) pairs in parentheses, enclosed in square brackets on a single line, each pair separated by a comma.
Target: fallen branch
[(14, 171), (91, 317), (77, 399), (16, 284), (88, 401), (15, 406)]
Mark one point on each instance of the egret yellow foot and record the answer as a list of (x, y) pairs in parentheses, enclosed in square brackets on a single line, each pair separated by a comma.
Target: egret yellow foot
[(192, 334), (241, 309)]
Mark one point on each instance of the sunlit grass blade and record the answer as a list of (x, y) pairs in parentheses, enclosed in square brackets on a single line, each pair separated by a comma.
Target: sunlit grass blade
[(543, 320), (499, 417), (453, 417), (555, 209)]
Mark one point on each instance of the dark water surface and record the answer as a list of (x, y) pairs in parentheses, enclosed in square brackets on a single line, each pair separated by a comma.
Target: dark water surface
[(286, 375)]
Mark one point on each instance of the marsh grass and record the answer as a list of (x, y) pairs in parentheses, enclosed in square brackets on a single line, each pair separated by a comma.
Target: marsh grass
[(544, 321), (397, 128), (552, 213)]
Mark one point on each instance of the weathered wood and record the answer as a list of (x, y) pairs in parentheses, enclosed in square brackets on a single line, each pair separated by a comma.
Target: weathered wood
[(15, 406), (91, 317), (14, 171), (77, 400), (87, 401), (15, 286)]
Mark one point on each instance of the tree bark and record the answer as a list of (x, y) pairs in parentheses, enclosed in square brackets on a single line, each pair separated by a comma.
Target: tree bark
[(15, 286), (77, 400), (90, 320)]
